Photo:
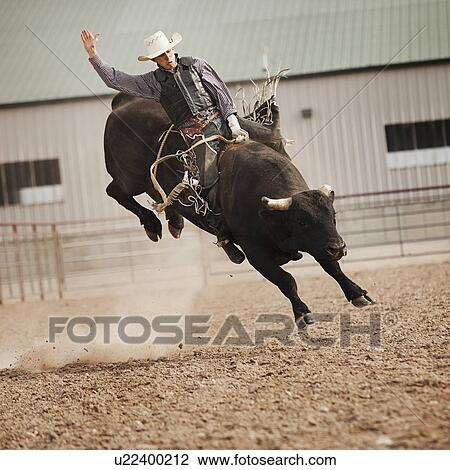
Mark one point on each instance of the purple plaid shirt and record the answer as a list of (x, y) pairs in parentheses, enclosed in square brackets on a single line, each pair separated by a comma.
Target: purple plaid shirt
[(146, 85)]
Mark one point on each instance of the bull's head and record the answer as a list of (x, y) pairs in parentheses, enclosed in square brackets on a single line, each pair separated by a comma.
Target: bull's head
[(305, 222)]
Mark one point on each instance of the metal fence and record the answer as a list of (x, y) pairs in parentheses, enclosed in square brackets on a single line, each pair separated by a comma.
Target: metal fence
[(48, 260), (379, 226)]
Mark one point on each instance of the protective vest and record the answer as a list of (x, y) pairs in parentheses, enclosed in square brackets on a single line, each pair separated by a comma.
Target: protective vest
[(182, 93)]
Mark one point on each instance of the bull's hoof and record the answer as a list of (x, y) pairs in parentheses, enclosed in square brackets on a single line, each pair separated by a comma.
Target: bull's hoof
[(308, 318), (301, 324), (305, 320), (153, 235), (362, 301), (175, 231), (234, 253)]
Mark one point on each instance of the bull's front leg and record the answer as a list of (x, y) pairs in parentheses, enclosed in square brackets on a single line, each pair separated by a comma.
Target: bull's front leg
[(354, 294), (175, 222), (264, 264)]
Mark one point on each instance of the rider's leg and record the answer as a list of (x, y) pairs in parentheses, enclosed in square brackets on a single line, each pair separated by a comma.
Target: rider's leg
[(206, 155), (209, 177)]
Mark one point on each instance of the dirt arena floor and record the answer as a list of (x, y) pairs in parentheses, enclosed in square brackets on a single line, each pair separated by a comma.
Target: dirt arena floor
[(303, 395)]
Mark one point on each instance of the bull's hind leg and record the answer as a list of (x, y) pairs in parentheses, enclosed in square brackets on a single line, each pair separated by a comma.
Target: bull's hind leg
[(148, 219), (285, 282), (354, 294)]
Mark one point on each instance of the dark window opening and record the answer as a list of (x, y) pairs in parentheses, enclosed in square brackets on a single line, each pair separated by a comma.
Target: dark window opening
[(400, 137), (447, 132), (429, 134), (418, 135), (29, 174)]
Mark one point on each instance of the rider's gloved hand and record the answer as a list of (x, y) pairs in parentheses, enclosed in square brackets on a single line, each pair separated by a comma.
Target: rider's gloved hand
[(236, 131)]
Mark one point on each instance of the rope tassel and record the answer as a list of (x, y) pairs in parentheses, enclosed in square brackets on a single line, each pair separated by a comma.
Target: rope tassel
[(176, 191)]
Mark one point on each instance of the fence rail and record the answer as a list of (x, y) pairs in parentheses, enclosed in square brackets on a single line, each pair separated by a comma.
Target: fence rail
[(42, 260)]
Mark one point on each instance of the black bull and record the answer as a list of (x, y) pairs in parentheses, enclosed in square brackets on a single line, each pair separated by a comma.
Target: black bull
[(266, 203)]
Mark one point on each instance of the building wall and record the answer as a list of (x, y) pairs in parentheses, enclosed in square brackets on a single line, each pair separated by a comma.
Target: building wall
[(73, 132), (349, 112)]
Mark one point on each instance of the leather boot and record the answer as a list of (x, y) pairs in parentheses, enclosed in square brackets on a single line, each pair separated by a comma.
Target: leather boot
[(215, 221), (233, 252)]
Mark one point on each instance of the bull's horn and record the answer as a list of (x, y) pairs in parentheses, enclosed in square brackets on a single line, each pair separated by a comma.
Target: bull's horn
[(277, 204), (326, 189)]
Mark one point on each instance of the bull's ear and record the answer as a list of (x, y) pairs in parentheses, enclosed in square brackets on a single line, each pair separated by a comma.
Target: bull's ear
[(277, 204), (328, 191)]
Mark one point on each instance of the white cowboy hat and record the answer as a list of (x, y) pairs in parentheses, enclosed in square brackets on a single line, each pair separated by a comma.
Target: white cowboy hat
[(158, 43)]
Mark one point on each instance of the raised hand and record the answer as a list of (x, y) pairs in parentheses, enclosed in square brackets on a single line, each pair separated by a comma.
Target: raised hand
[(89, 42)]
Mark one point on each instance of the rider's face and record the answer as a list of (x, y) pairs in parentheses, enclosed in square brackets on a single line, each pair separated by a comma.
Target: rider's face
[(166, 60)]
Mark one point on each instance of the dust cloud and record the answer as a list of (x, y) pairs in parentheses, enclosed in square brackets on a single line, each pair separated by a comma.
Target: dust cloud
[(43, 356), (25, 336)]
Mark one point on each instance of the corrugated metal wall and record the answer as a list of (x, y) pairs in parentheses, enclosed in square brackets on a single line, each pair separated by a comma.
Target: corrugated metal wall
[(343, 143), (73, 133)]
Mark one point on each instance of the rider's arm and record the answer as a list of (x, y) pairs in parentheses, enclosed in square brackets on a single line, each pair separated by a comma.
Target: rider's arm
[(145, 86), (215, 85)]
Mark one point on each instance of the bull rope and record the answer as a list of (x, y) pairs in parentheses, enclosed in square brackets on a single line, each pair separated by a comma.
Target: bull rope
[(168, 200)]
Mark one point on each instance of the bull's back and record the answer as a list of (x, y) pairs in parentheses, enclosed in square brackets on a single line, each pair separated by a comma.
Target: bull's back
[(131, 131)]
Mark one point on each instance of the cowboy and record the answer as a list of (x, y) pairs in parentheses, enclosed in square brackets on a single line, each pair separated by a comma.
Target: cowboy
[(197, 102)]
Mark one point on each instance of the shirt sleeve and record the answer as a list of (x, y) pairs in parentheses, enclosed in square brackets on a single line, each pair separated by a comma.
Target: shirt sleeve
[(145, 86), (216, 87)]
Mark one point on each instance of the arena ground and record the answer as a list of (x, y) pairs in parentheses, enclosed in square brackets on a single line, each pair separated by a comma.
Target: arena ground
[(304, 395)]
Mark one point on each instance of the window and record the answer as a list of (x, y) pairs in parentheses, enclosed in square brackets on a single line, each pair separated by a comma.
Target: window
[(418, 135), (30, 182), (418, 144), (400, 137), (430, 134)]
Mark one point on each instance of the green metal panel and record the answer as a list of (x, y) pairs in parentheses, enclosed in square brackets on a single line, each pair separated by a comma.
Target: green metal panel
[(237, 38)]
